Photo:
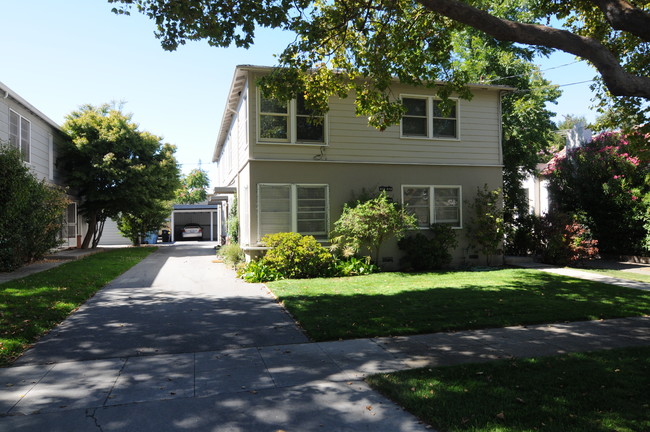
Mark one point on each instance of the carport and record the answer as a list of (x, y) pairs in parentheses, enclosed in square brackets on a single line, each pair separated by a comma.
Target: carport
[(206, 215)]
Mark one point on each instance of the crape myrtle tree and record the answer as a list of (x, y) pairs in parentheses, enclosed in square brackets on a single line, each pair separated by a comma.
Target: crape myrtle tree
[(114, 167), (360, 46)]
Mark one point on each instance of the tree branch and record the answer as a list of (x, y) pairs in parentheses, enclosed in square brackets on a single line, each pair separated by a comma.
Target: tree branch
[(618, 81), (622, 16)]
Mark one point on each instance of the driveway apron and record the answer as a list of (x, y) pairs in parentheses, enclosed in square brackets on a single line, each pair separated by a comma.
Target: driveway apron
[(175, 301)]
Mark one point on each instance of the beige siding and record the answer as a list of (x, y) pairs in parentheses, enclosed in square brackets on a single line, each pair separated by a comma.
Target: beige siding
[(41, 159), (350, 139), (347, 180), (235, 150)]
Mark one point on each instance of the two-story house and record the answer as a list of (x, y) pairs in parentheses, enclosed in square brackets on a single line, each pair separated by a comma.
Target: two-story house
[(38, 138), (291, 174)]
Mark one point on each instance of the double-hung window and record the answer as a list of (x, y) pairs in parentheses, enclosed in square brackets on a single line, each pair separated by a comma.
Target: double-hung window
[(300, 208), (20, 134), (427, 117), (434, 204), (289, 122)]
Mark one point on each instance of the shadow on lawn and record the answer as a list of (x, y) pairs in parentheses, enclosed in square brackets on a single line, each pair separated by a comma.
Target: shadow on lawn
[(600, 391), (526, 298)]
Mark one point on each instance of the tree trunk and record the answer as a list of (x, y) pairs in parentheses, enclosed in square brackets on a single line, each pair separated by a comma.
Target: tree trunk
[(92, 223)]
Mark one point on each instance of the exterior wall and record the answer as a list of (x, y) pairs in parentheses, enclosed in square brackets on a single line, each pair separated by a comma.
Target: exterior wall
[(235, 153), (43, 143), (347, 180), (350, 139)]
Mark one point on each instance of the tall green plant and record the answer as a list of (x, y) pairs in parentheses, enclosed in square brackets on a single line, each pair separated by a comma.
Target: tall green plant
[(369, 223), (31, 212), (486, 227), (233, 221)]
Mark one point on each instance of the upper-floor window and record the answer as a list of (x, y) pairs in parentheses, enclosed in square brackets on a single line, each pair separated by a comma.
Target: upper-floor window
[(20, 134), (434, 204), (426, 117), (300, 208), (289, 122)]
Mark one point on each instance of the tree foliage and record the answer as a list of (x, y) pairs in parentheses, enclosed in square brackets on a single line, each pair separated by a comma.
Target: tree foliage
[(135, 225), (114, 167), (367, 224), (193, 187), (361, 46), (607, 184), (31, 212)]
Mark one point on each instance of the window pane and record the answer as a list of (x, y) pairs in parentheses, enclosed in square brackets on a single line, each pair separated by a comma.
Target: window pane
[(312, 211), (415, 107), (414, 126), (416, 201), (272, 106), (25, 138), (274, 209), (444, 128), (447, 205), (274, 127), (309, 129), (438, 110)]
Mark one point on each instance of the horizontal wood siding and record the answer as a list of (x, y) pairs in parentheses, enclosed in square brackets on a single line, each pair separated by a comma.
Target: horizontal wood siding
[(235, 150), (350, 139)]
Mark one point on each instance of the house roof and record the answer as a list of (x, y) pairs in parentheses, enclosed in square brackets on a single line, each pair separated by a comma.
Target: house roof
[(239, 82), (6, 92)]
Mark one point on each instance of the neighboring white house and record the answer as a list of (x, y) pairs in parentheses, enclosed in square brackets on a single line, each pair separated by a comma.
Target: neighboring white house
[(293, 175), (38, 138)]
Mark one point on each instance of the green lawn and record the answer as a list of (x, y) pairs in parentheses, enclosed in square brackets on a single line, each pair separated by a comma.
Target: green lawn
[(398, 303), (619, 274), (587, 392), (31, 306)]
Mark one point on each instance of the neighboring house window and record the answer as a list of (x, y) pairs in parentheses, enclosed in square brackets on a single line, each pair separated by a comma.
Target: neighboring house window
[(289, 122), (425, 118), (293, 208), (20, 134), (434, 204)]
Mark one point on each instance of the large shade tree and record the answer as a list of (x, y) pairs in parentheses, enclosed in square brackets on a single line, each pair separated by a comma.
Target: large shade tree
[(411, 39), (115, 168)]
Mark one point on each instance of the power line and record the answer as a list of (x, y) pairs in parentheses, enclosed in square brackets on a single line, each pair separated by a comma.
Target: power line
[(524, 74)]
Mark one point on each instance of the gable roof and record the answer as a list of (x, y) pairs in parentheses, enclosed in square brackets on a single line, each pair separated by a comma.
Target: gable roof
[(7, 93), (239, 82)]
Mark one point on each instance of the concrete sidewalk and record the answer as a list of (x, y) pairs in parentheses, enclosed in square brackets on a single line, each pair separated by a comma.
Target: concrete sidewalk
[(177, 343)]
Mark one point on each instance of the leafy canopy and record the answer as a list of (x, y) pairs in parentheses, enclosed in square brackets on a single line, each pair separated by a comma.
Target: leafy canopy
[(114, 167), (193, 187), (362, 45)]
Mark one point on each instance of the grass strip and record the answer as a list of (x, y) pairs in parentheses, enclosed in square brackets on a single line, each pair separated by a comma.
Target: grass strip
[(386, 304), (586, 392), (31, 306)]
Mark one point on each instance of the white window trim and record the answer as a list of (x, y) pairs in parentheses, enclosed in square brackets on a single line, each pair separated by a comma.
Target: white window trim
[(292, 128), (294, 205), (430, 118), (20, 133), (432, 212)]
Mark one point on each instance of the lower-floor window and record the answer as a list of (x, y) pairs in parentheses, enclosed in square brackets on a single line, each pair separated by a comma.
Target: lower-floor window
[(301, 208), (434, 204)]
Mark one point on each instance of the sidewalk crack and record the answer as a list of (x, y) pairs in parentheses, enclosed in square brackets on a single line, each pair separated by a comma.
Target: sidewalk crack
[(90, 413)]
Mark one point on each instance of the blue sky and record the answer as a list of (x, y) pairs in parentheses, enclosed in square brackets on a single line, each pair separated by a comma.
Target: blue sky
[(59, 55)]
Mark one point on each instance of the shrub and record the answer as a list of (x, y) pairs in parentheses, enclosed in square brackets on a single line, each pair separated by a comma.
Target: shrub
[(258, 271), (295, 256), (423, 253), (565, 241), (31, 212), (232, 254), (369, 223), (486, 227), (354, 266), (523, 236)]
